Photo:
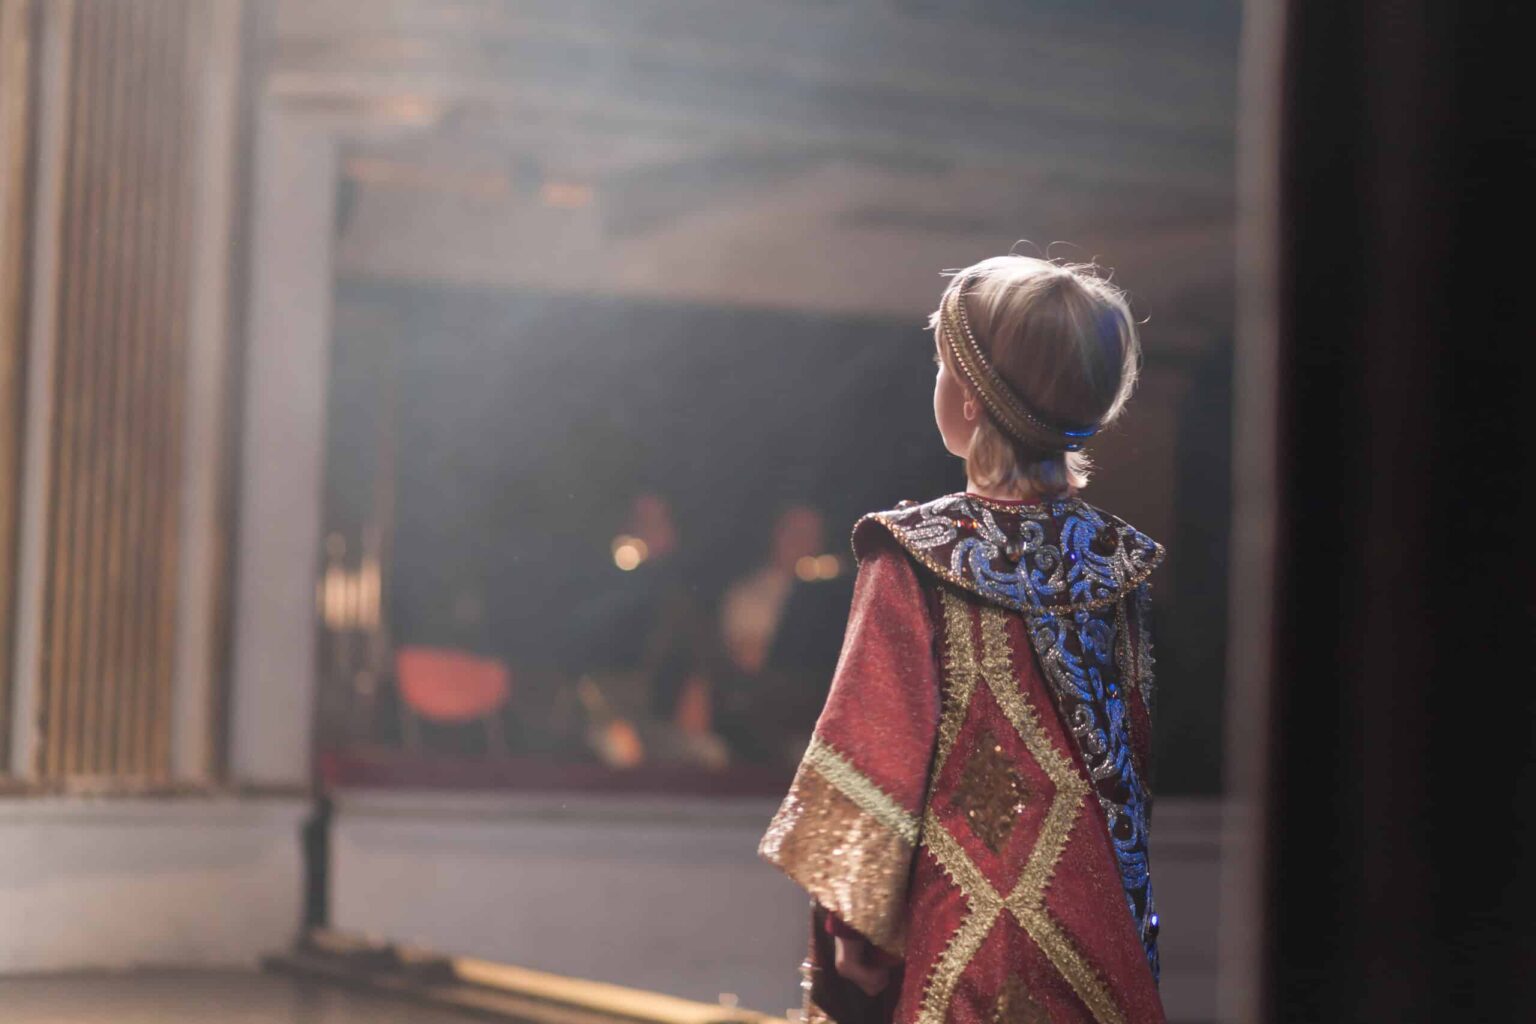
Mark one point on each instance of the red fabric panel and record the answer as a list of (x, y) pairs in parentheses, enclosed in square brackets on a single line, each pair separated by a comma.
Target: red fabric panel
[(883, 708)]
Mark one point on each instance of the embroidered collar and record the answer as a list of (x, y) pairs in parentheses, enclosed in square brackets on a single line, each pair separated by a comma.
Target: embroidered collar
[(1040, 559)]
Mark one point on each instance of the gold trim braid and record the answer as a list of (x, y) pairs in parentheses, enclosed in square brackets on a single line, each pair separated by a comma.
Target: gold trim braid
[(960, 675), (967, 940), (856, 786)]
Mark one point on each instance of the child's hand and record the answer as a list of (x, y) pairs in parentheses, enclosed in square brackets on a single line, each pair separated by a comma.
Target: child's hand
[(852, 962)]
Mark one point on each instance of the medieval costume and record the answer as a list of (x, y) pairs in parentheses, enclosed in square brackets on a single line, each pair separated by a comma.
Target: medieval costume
[(974, 800)]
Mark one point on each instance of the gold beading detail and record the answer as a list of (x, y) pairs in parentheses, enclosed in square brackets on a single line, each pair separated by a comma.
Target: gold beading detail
[(849, 861), (847, 843), (1016, 1006), (1125, 661), (991, 793)]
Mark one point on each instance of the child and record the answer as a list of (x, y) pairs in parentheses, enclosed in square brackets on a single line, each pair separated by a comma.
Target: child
[(971, 814)]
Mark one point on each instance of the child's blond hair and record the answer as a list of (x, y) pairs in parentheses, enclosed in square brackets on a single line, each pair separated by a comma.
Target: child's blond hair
[(1062, 337)]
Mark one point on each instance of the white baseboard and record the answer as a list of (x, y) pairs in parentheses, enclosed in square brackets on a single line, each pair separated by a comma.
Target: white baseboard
[(116, 883), (660, 894)]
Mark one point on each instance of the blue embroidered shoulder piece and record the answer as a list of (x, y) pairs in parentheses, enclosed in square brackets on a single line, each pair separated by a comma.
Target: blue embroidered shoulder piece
[(1078, 575)]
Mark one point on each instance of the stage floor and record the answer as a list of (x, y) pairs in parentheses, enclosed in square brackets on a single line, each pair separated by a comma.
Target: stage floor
[(202, 997)]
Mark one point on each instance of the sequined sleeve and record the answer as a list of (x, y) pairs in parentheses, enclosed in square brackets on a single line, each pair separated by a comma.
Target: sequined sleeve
[(847, 830)]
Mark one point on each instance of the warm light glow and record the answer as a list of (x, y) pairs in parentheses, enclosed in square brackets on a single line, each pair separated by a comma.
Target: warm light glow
[(629, 552), (620, 744), (818, 567), (350, 600), (412, 110), (332, 595), (567, 195)]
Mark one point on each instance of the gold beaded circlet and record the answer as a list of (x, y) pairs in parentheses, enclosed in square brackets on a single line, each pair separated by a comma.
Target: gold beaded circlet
[(1005, 405)]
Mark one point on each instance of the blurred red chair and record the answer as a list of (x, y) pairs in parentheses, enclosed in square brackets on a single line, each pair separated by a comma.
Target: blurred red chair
[(452, 688)]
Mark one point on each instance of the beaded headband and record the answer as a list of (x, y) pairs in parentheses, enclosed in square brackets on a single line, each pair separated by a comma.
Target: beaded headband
[(1005, 405)]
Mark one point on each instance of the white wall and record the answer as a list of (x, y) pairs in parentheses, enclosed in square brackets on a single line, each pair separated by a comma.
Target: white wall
[(281, 463), (667, 896), (117, 883), (88, 882)]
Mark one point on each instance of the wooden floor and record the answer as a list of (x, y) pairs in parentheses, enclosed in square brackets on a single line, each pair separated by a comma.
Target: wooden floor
[(202, 997)]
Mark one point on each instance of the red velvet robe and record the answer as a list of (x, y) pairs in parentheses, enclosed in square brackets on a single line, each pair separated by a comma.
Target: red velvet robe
[(955, 805)]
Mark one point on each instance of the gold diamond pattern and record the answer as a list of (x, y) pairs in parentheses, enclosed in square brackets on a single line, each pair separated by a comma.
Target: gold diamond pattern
[(1026, 902)]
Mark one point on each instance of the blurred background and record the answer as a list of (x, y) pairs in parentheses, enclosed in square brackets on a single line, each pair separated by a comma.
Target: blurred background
[(457, 410), (430, 432), (625, 320)]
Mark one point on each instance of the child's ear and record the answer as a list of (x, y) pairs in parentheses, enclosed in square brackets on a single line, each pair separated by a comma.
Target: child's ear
[(968, 408)]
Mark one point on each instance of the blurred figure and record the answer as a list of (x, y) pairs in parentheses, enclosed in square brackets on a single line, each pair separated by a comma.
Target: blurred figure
[(641, 646), (779, 626), (651, 524), (753, 606)]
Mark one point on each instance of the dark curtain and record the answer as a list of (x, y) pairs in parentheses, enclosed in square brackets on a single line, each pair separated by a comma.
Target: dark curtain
[(1400, 814)]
